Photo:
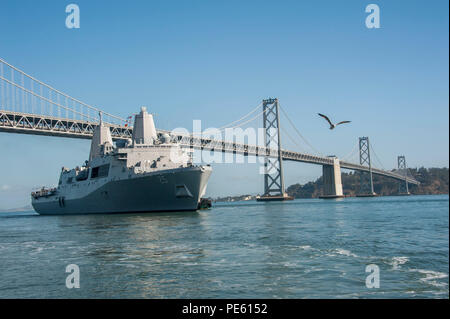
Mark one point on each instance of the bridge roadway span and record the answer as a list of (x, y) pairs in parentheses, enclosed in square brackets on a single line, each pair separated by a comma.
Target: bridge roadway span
[(16, 122)]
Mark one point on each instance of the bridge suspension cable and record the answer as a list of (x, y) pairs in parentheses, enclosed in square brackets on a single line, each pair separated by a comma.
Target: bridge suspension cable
[(32, 96), (352, 153), (376, 157), (223, 128), (298, 132), (299, 147), (46, 99), (248, 121), (245, 116), (409, 173)]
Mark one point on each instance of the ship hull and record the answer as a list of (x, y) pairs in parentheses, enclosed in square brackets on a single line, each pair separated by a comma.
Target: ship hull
[(171, 190)]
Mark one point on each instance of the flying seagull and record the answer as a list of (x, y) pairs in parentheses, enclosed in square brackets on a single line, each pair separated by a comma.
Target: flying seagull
[(332, 126)]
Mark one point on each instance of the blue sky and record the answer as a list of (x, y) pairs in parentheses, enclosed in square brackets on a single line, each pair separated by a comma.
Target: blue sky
[(215, 60)]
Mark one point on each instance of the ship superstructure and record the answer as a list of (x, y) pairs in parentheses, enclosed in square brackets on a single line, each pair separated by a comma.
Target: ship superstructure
[(147, 173)]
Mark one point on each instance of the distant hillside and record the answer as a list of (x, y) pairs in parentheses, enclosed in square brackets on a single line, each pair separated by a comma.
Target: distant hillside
[(432, 181)]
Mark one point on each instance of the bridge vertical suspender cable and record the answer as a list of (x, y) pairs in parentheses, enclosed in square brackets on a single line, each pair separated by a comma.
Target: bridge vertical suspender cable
[(298, 132), (352, 153), (25, 87), (2, 100), (376, 156)]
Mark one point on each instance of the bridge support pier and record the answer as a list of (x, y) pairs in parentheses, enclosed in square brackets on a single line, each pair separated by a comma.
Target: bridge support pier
[(332, 182)]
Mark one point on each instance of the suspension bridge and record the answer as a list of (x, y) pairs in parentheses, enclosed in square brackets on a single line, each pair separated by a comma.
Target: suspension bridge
[(30, 106)]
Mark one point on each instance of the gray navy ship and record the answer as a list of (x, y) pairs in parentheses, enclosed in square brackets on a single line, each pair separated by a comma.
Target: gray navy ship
[(148, 173)]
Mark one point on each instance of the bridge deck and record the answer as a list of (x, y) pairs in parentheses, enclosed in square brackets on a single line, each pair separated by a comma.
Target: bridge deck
[(16, 122)]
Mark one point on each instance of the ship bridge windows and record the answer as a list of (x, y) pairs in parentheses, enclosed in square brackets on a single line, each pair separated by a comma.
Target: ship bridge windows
[(100, 171), (82, 175)]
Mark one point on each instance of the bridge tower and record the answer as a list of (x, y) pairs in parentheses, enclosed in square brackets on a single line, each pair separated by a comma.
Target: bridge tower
[(403, 186), (273, 163), (366, 186)]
